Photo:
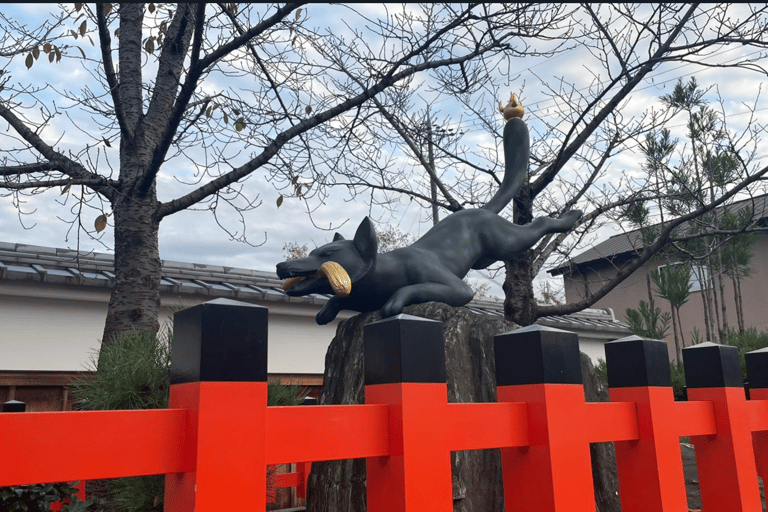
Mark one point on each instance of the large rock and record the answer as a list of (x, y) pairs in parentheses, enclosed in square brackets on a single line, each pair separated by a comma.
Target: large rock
[(339, 486)]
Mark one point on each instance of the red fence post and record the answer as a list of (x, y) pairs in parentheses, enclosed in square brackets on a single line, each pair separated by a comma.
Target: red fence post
[(757, 377), (725, 461), (405, 368), (219, 374), (541, 366), (650, 469)]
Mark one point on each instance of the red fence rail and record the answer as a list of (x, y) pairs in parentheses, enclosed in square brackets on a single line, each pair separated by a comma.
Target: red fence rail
[(296, 479), (214, 451)]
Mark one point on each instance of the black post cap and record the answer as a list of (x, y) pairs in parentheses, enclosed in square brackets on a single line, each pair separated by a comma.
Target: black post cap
[(14, 406), (757, 368), (635, 361), (221, 340), (404, 348), (537, 355), (709, 365)]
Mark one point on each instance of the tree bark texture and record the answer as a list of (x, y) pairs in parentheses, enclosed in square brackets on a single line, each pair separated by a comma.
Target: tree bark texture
[(715, 315), (705, 304), (339, 486), (135, 300), (145, 131), (519, 302), (739, 303), (721, 284)]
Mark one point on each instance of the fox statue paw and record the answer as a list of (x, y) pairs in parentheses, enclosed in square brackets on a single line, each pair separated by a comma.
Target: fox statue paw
[(327, 314), (391, 309)]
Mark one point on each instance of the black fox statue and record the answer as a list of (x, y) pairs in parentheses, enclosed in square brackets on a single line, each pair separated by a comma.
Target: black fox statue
[(432, 268)]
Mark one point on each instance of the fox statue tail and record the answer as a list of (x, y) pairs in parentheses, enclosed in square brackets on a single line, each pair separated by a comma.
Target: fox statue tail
[(516, 151)]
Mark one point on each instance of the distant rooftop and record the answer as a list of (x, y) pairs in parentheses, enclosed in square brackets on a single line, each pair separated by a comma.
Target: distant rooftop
[(20, 262), (632, 241)]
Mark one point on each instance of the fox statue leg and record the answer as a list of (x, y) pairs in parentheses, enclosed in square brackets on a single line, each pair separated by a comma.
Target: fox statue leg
[(456, 293)]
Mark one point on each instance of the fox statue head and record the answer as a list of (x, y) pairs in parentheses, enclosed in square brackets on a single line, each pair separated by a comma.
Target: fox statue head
[(332, 268)]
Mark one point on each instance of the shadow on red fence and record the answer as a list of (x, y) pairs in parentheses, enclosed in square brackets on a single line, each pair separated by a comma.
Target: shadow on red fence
[(214, 451)]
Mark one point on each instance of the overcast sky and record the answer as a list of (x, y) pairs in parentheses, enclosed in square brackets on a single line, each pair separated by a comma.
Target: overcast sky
[(195, 236)]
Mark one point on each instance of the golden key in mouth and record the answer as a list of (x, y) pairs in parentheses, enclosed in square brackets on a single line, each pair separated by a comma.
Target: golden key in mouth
[(337, 277)]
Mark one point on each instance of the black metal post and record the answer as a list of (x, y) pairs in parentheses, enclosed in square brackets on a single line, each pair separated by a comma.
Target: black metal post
[(403, 349), (14, 406), (537, 355), (637, 362), (221, 340)]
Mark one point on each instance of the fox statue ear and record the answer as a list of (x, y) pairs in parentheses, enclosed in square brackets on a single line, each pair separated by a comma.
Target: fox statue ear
[(365, 240), (337, 237)]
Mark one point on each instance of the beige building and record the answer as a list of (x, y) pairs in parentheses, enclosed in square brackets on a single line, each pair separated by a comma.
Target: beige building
[(53, 303), (587, 272)]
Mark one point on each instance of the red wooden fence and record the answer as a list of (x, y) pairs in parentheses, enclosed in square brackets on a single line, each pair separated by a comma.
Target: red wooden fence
[(214, 451), (296, 479)]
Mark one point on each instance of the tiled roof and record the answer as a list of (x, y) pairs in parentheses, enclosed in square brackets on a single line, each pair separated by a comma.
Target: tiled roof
[(631, 241), (20, 262), (93, 269)]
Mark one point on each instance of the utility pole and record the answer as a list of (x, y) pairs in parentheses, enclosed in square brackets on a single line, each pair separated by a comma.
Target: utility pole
[(432, 183)]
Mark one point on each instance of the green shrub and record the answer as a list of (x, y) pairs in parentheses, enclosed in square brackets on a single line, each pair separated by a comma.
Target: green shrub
[(746, 341), (38, 498), (648, 321), (137, 493), (285, 394), (678, 380), (134, 373), (601, 369)]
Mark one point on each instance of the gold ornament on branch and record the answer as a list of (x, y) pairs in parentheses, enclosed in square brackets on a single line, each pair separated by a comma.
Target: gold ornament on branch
[(513, 109)]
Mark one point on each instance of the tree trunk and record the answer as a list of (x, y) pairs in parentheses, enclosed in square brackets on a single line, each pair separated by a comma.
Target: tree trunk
[(715, 314), (739, 304), (721, 284), (146, 133), (682, 337), (678, 353), (135, 301), (648, 285), (519, 302), (708, 307), (705, 305)]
